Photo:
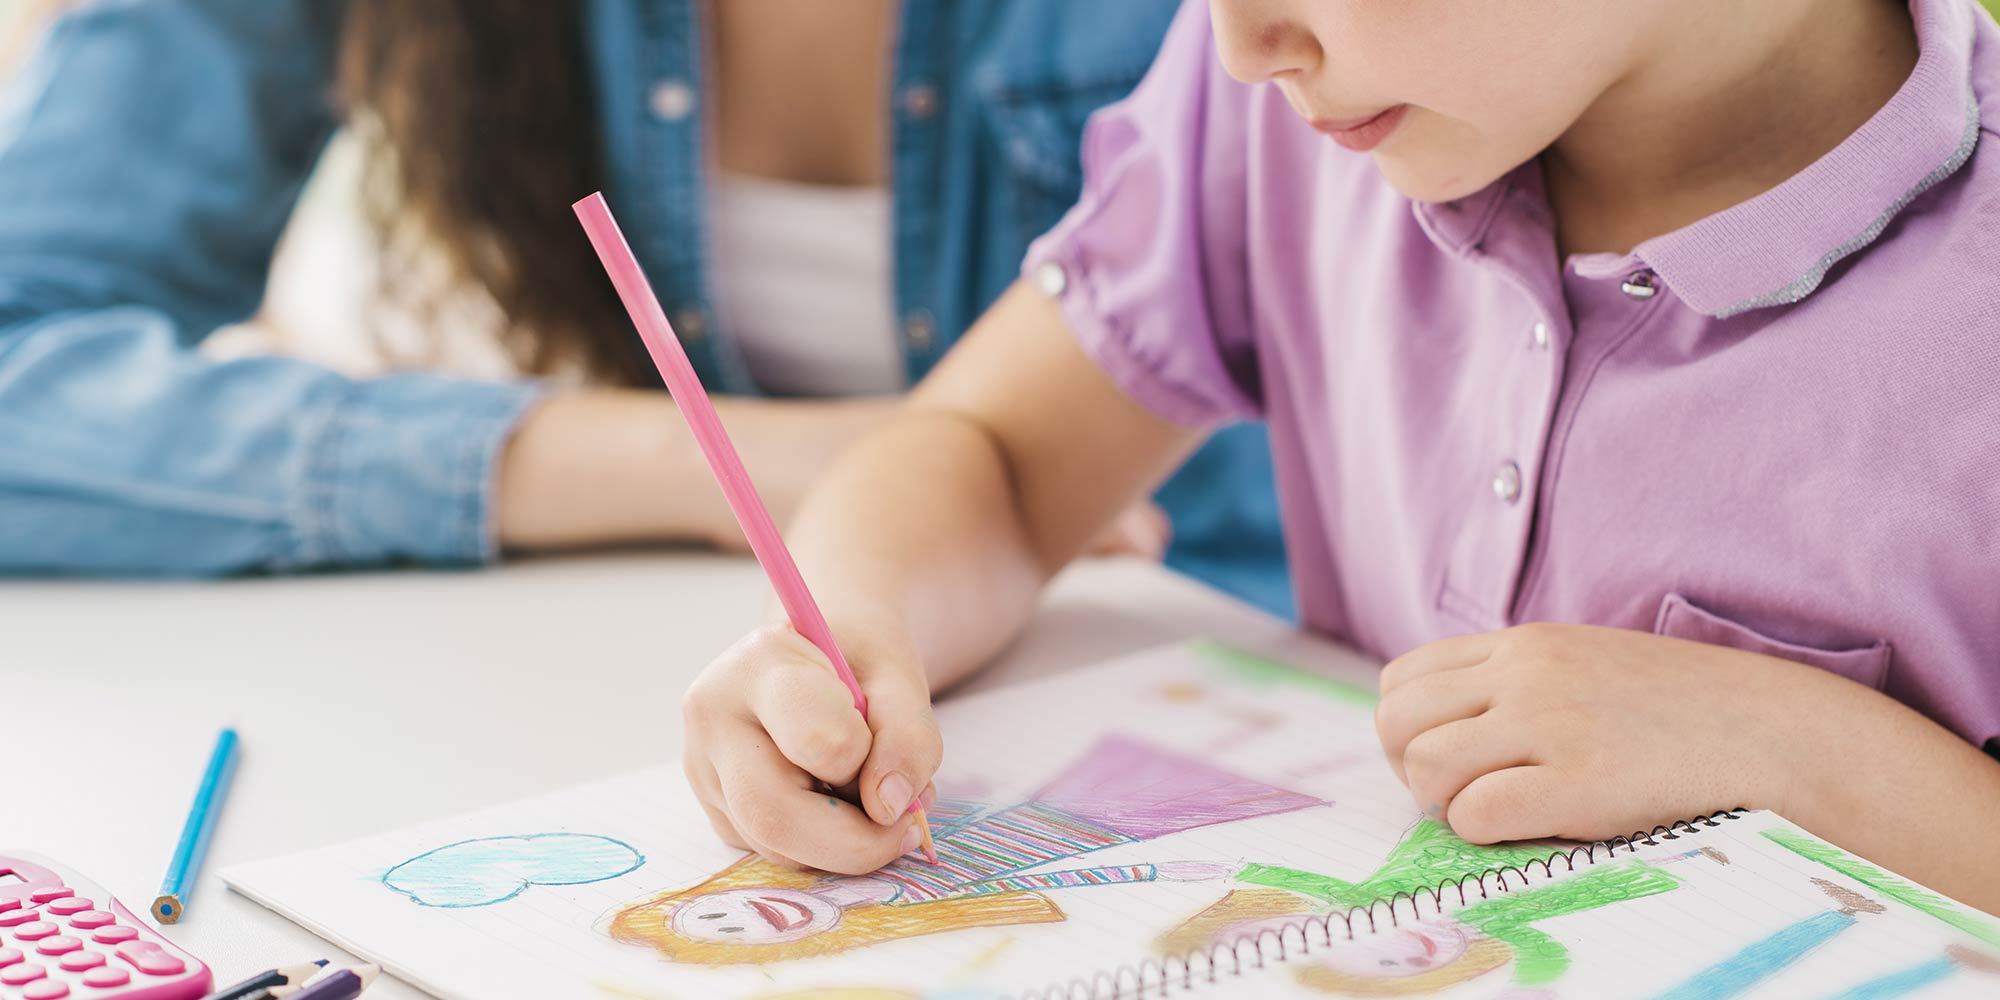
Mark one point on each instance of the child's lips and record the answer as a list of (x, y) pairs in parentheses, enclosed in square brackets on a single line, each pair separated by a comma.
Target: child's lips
[(1361, 134)]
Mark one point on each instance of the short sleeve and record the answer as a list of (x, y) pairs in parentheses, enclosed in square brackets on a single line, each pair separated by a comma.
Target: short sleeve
[(1149, 266)]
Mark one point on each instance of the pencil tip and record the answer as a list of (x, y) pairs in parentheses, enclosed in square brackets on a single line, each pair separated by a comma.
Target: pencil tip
[(924, 829)]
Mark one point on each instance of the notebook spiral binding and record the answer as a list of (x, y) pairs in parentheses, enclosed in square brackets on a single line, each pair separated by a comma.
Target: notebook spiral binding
[(1161, 976)]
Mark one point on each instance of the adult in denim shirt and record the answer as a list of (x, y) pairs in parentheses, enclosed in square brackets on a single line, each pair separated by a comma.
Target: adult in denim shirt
[(151, 152)]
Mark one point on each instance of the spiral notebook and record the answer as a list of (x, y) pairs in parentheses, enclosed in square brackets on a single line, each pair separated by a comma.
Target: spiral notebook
[(1191, 820)]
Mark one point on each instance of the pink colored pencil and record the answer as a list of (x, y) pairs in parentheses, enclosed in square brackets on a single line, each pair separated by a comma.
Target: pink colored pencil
[(644, 306)]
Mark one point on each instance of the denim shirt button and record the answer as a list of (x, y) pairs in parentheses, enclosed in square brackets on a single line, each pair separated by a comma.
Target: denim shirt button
[(920, 329), (919, 100), (690, 325), (672, 100)]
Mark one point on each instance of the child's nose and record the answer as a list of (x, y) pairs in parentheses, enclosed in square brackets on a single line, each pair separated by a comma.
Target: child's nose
[(1257, 41)]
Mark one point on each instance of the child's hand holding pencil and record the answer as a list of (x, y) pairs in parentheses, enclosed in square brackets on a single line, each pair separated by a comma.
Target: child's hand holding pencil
[(785, 735), (769, 727)]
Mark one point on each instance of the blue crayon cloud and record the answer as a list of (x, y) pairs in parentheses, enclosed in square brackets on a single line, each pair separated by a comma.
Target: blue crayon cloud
[(495, 869)]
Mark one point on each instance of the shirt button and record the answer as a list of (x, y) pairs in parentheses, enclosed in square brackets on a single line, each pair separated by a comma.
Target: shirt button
[(1051, 278), (920, 329), (672, 100), (1507, 482), (1641, 285), (919, 100), (690, 325), (1541, 334)]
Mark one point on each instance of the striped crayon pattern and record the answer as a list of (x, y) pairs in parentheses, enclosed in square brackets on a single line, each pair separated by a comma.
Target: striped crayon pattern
[(972, 856), (1108, 875)]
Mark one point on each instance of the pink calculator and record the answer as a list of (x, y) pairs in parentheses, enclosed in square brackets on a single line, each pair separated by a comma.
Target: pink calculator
[(64, 938)]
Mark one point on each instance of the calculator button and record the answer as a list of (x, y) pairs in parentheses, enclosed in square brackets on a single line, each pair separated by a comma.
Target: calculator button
[(91, 918), (106, 977), (65, 907), (9, 903), (78, 961), (36, 931), (60, 945), (19, 917), (47, 989), (150, 958), (44, 895), (9, 956), (114, 934), (15, 975)]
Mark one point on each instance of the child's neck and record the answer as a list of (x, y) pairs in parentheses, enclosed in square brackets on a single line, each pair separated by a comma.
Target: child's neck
[(1727, 109)]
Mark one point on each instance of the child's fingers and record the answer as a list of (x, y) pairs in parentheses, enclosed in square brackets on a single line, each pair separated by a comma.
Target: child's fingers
[(1425, 703), (774, 856), (1510, 804), (811, 715), (724, 829), (772, 804), (707, 791), (907, 748), (1444, 654), (1440, 763)]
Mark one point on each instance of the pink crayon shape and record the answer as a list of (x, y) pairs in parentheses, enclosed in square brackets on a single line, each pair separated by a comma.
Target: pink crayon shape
[(665, 347)]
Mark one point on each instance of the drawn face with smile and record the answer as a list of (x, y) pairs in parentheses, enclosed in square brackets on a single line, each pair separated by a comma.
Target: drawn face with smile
[(1395, 953), (755, 916)]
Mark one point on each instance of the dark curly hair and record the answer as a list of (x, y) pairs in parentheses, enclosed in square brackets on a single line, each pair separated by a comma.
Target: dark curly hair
[(482, 130)]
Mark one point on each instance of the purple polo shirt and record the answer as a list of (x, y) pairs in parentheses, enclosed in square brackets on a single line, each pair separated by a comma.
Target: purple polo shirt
[(1777, 429)]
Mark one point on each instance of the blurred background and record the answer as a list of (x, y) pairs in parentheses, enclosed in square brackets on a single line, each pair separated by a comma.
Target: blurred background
[(322, 300)]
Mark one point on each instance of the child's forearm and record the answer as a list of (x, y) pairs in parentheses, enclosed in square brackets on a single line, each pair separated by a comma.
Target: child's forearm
[(1012, 455), (914, 532), (1898, 789)]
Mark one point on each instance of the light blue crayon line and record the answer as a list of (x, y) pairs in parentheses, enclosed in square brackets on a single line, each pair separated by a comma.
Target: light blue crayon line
[(1738, 973), (1903, 983)]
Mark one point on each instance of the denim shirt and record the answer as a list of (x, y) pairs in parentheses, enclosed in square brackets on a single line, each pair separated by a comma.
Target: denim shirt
[(151, 153)]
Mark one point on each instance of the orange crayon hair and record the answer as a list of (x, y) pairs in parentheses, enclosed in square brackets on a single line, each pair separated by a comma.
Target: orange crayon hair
[(650, 923)]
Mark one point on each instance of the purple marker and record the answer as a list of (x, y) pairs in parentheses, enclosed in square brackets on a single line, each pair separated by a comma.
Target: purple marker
[(344, 984)]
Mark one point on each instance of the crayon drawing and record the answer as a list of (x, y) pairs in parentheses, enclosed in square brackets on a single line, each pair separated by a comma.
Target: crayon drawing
[(1764, 958), (1121, 791), (1890, 886), (488, 870), (1414, 958), (1255, 672), (1905, 982)]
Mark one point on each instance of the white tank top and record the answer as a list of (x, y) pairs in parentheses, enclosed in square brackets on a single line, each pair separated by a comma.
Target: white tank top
[(804, 282)]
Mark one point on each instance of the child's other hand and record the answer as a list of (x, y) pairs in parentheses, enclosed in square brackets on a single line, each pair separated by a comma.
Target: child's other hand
[(769, 726), (1588, 733)]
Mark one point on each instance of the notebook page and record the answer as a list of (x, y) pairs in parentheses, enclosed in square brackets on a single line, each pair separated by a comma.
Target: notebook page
[(1161, 804)]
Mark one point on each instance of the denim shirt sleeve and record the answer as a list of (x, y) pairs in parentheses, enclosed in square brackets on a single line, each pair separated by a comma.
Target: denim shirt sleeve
[(150, 154)]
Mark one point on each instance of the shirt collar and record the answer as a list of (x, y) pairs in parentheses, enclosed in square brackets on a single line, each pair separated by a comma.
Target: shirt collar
[(1777, 248)]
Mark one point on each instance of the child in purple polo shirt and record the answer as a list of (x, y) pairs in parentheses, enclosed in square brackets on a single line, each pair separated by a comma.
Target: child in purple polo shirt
[(1633, 375)]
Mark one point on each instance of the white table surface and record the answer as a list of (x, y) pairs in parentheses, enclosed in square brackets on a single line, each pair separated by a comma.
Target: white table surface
[(374, 701)]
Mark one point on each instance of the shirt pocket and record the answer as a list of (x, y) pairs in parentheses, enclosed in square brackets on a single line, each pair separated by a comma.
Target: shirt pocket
[(1680, 618)]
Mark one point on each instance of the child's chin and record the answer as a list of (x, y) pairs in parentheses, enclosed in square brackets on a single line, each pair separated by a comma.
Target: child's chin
[(1430, 180)]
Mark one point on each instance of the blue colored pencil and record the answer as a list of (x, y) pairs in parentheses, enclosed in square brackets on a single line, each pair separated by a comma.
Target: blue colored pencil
[(195, 834)]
